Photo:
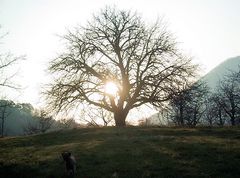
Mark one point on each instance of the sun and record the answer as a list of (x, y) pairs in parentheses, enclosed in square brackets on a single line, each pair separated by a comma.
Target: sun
[(111, 88)]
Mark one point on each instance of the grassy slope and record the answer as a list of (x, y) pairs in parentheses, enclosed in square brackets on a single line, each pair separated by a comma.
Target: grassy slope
[(127, 152)]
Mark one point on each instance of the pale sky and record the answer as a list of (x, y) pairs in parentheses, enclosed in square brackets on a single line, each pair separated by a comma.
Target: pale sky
[(206, 29)]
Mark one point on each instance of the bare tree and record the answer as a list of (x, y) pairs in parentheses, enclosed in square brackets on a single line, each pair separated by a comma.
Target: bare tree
[(188, 106), (7, 60), (42, 123), (178, 104), (31, 128), (197, 105), (45, 121), (229, 89), (117, 46), (68, 123), (215, 114), (96, 117)]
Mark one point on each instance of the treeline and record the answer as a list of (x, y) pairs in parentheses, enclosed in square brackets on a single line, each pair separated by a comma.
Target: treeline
[(24, 119), (197, 104)]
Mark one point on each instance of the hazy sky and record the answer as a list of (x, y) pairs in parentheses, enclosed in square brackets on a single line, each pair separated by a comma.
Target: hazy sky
[(206, 29)]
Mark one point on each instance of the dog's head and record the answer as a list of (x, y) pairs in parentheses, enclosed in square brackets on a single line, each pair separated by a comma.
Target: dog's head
[(66, 155)]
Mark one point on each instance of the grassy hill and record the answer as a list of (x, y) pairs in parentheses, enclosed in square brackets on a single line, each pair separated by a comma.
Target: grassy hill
[(125, 152)]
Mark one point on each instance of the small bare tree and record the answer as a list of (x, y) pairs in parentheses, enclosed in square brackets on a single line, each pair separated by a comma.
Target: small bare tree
[(215, 114), (41, 124), (68, 123), (188, 106), (45, 121), (229, 94), (96, 117)]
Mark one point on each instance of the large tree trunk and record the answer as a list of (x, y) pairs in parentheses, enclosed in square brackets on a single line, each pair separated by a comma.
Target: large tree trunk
[(120, 118), (220, 117), (233, 120), (3, 120), (2, 128), (181, 116)]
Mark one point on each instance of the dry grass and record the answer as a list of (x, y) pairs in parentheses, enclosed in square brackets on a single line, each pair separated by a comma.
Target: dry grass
[(125, 152)]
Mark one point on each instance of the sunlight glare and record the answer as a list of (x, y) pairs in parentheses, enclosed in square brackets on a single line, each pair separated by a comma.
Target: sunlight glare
[(111, 88)]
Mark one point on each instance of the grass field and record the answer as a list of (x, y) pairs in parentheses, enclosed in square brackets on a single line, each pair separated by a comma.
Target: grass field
[(131, 152)]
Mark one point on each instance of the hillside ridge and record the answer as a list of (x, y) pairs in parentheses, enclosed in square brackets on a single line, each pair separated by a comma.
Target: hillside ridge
[(218, 73)]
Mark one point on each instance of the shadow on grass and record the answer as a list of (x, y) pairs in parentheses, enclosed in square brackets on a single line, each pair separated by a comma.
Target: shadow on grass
[(44, 169)]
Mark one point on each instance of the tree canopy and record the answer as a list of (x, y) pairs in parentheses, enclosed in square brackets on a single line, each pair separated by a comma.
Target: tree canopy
[(116, 46)]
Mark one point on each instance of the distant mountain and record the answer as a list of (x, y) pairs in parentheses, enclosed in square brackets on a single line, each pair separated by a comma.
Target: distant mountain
[(212, 78), (218, 73)]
